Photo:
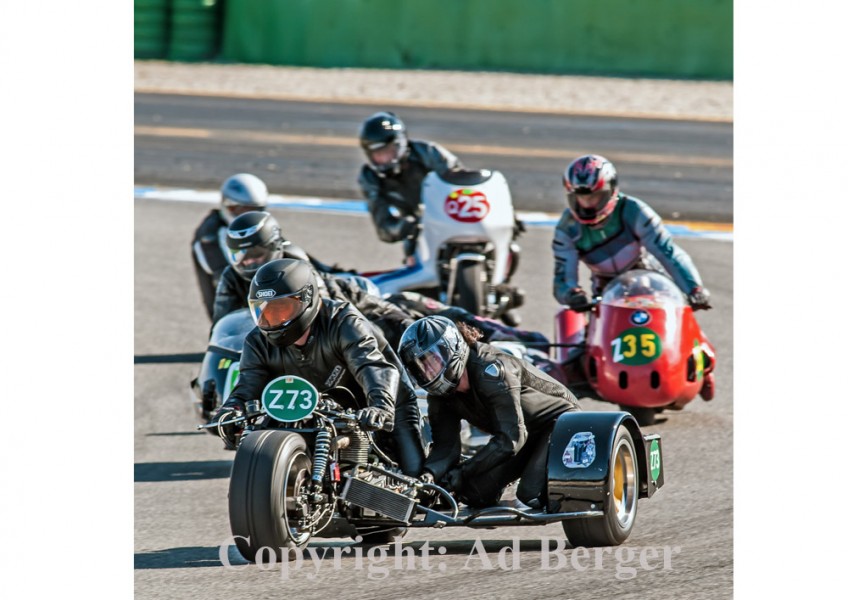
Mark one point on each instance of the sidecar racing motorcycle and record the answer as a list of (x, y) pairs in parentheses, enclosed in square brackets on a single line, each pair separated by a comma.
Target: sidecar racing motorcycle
[(641, 349), (304, 468), (466, 250), (220, 366)]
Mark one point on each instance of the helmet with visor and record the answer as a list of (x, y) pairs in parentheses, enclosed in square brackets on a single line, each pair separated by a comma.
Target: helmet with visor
[(253, 239), (284, 300), (434, 353)]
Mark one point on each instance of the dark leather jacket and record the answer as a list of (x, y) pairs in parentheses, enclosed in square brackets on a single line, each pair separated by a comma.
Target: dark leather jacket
[(206, 248), (509, 398), (388, 317), (341, 350), (231, 293), (403, 191)]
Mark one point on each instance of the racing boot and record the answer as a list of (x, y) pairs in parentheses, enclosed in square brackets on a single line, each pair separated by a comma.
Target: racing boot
[(708, 387), (511, 318)]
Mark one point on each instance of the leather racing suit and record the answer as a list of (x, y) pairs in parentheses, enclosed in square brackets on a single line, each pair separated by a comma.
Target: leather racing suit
[(231, 293), (208, 253), (403, 191), (342, 349), (514, 402), (632, 237)]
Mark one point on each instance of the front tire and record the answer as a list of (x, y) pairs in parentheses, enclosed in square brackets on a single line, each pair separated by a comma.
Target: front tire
[(269, 471), (470, 289), (620, 507)]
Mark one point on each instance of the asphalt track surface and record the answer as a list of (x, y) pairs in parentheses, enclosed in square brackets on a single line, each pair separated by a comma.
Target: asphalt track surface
[(682, 544), (684, 169)]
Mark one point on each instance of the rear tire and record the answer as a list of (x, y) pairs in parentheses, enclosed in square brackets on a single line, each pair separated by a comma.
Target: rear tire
[(470, 290), (269, 470), (619, 508), (644, 416)]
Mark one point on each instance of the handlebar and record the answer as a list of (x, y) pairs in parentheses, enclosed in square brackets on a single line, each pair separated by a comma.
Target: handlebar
[(593, 302), (242, 419)]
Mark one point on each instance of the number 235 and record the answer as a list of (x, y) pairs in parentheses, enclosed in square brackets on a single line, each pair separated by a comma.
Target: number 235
[(625, 347)]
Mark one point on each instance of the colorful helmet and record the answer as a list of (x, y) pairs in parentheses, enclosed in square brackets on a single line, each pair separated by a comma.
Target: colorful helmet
[(383, 138), (591, 188), (284, 300), (253, 239), (434, 353), (241, 193)]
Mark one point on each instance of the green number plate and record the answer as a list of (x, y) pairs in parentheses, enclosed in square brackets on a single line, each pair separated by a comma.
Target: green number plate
[(289, 398)]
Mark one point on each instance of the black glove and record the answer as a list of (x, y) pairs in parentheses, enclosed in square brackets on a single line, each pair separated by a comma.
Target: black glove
[(518, 228), (427, 477), (375, 419), (699, 299), (408, 227), (453, 479), (577, 298), (231, 409)]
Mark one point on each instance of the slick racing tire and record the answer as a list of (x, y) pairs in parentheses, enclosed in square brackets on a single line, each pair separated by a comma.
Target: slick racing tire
[(644, 416), (269, 471), (620, 506), (470, 289)]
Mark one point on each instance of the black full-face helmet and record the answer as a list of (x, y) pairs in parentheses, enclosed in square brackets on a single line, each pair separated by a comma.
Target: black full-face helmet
[(434, 353), (241, 193), (253, 239), (284, 300), (383, 138)]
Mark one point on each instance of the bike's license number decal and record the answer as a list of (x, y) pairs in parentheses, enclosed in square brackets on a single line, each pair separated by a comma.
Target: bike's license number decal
[(637, 346), (656, 461), (467, 206), (289, 398)]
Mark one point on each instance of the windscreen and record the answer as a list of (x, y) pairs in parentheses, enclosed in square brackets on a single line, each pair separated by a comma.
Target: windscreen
[(230, 331), (643, 289)]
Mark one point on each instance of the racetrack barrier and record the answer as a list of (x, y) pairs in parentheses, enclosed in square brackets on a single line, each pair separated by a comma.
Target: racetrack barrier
[(659, 38)]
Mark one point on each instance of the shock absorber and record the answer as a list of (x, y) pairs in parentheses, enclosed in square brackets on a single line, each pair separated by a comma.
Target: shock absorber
[(322, 454)]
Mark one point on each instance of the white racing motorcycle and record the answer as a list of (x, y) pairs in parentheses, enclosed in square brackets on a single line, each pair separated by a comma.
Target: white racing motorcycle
[(465, 249)]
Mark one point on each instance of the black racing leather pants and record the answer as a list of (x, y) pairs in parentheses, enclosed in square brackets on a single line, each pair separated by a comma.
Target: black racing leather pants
[(530, 464)]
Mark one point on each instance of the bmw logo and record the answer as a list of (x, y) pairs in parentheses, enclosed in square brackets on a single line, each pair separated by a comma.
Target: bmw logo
[(640, 317)]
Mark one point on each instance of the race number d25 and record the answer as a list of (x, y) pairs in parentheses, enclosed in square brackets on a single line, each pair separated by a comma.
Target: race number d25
[(289, 398), (636, 346), (467, 206)]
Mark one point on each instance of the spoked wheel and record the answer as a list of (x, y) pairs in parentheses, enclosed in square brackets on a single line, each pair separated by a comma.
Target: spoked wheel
[(644, 416), (270, 472), (620, 508)]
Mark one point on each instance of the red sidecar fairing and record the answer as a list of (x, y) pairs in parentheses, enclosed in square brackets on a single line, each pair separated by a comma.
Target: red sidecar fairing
[(645, 348)]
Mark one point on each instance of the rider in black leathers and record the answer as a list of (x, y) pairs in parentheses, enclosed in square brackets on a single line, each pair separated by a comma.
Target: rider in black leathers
[(253, 239), (391, 179), (330, 344), (240, 193), (501, 394)]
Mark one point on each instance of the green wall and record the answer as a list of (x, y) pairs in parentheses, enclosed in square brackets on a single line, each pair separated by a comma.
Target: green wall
[(665, 38)]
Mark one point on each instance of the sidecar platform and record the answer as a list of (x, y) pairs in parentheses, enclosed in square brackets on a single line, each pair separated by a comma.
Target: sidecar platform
[(495, 516)]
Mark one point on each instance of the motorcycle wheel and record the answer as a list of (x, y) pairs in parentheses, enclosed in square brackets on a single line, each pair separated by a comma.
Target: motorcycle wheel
[(620, 508), (269, 471), (644, 416), (470, 291)]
